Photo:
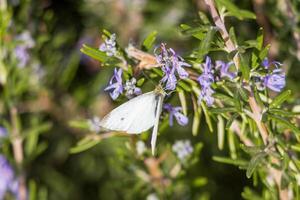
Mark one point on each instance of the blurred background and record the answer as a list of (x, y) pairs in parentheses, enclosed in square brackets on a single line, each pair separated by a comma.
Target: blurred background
[(58, 84)]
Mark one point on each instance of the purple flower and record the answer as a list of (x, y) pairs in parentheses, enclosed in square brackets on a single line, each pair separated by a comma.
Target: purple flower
[(183, 149), (205, 80), (207, 66), (275, 81), (22, 55), (178, 63), (171, 63), (224, 69), (109, 46), (21, 50), (115, 84), (169, 78), (131, 89), (206, 95), (8, 182), (266, 63), (3, 132), (176, 112)]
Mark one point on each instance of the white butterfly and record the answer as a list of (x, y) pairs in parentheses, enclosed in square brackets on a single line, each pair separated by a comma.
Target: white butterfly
[(137, 115)]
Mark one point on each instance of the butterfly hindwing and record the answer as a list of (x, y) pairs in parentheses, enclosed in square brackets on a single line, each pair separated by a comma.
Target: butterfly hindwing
[(155, 128), (133, 117)]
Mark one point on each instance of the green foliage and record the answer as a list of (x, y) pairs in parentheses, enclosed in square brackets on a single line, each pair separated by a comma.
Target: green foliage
[(48, 105)]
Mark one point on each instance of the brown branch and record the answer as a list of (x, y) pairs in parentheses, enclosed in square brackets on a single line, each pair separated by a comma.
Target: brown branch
[(17, 141), (256, 110)]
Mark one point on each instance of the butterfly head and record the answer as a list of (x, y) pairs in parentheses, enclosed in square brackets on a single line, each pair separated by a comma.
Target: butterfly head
[(160, 90)]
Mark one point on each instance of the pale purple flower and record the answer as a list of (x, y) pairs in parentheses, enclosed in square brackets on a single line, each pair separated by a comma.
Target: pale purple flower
[(275, 81), (207, 66), (115, 84), (3, 132), (206, 95), (8, 181), (266, 63), (224, 69), (21, 51), (131, 88), (109, 46), (207, 77), (178, 63), (205, 80), (171, 63), (25, 39), (22, 55), (183, 149), (176, 112), (169, 77)]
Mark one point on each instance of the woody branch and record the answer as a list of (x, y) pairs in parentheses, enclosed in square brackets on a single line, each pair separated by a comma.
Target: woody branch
[(256, 110)]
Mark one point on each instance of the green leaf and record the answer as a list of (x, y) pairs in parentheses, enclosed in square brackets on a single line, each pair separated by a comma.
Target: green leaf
[(207, 117), (296, 147), (94, 53), (198, 32), (232, 35), (279, 111), (221, 132), (80, 124), (197, 117), (203, 18), (205, 44), (264, 53), (280, 98), (235, 11), (284, 123), (249, 194), (106, 33), (83, 146), (230, 161), (223, 110), (182, 99), (70, 70), (149, 40), (140, 82), (260, 39), (231, 119), (184, 86), (284, 181), (231, 144), (32, 190), (224, 98), (252, 150), (243, 93), (254, 162), (200, 181), (244, 68)]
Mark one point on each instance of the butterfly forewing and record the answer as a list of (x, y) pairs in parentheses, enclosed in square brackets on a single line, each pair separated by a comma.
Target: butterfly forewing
[(135, 116)]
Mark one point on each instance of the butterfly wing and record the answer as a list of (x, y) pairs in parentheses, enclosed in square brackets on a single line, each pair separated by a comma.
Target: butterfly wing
[(155, 128), (133, 117)]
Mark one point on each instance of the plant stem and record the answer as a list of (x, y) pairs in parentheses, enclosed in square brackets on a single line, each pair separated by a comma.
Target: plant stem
[(256, 110), (18, 153)]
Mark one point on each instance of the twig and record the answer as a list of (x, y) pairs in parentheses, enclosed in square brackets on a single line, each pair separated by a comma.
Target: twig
[(18, 153), (256, 110)]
